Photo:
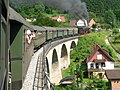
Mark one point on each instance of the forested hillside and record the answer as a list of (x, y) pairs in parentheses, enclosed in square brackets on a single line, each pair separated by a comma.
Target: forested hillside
[(99, 7), (104, 12)]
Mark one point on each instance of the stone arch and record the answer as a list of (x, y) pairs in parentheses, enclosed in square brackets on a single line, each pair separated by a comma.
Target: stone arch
[(73, 45), (64, 57), (55, 70), (47, 66), (55, 64)]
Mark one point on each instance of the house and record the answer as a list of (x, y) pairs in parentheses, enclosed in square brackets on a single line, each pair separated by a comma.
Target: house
[(91, 23), (59, 18), (114, 78), (98, 61)]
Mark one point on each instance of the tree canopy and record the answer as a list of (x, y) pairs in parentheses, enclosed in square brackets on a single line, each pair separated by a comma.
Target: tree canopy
[(99, 7)]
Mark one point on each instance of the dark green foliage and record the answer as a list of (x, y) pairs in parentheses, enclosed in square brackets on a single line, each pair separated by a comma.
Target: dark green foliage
[(35, 11), (43, 15), (106, 26), (91, 85), (85, 45), (46, 22), (97, 85), (99, 7), (67, 87), (116, 35), (110, 18), (115, 31)]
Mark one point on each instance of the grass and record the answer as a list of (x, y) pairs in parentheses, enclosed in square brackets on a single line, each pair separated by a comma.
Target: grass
[(85, 44), (116, 46), (70, 70)]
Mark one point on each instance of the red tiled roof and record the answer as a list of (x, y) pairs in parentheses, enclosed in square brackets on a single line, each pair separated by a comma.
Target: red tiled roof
[(113, 74), (96, 48), (61, 17), (91, 23)]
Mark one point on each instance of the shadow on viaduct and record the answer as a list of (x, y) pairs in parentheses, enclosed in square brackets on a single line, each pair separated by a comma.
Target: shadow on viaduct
[(57, 57)]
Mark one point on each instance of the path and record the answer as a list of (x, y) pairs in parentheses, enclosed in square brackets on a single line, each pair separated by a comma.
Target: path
[(107, 42)]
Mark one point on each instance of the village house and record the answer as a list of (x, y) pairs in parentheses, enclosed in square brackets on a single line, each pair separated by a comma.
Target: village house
[(59, 18), (91, 23), (114, 78), (98, 61)]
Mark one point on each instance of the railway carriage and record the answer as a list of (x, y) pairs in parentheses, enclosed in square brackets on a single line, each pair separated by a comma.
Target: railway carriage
[(4, 45), (21, 50)]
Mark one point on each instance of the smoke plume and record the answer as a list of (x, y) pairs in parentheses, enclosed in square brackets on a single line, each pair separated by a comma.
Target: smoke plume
[(74, 7)]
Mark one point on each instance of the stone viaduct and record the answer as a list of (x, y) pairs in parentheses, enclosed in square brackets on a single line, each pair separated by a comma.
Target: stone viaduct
[(58, 58), (48, 62)]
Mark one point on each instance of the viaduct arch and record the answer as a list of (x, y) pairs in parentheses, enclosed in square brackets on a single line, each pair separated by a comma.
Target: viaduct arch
[(58, 59)]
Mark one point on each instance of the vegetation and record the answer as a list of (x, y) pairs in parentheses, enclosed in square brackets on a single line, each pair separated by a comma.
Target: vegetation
[(115, 40), (85, 45), (101, 11), (101, 6), (77, 66), (105, 12), (43, 15)]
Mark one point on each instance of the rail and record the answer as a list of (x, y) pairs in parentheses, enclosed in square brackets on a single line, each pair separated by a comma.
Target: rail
[(41, 80)]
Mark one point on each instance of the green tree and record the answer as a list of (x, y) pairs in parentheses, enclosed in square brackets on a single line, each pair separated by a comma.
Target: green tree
[(92, 15), (110, 17)]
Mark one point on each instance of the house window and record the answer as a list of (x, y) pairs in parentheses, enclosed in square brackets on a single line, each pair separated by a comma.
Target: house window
[(102, 64), (99, 56), (97, 65), (91, 65)]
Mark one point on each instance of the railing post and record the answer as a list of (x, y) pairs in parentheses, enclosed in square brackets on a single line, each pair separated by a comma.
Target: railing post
[(73, 32), (63, 33), (67, 32), (46, 35)]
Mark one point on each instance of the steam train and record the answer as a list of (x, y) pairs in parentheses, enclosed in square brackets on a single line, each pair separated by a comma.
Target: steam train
[(18, 41)]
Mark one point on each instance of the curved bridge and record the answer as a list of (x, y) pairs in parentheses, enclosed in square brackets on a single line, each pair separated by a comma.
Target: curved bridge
[(58, 58), (48, 62)]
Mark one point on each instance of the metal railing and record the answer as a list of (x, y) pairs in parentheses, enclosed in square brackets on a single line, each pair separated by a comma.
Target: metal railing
[(41, 80)]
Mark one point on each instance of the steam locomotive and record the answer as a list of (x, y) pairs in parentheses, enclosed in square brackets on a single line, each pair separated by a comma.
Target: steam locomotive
[(82, 26)]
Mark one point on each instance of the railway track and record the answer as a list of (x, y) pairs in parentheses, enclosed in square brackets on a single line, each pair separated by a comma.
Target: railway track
[(41, 80), (38, 80)]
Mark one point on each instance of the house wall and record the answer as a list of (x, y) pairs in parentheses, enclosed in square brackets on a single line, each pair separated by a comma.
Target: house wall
[(115, 84), (96, 74), (108, 65), (95, 56)]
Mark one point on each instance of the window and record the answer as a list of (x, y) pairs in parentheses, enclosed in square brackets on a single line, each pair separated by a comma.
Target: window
[(97, 65), (99, 56), (92, 65), (102, 64)]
